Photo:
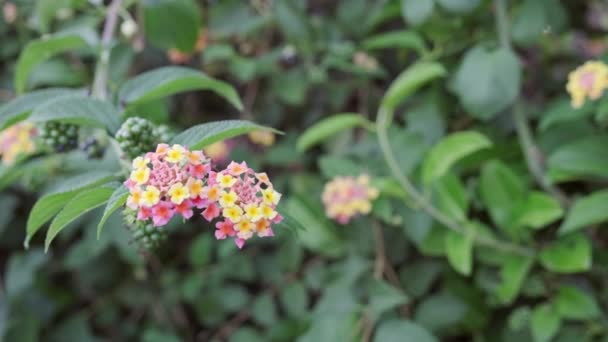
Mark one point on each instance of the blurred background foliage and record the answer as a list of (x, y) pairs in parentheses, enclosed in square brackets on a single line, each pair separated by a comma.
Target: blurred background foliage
[(294, 63)]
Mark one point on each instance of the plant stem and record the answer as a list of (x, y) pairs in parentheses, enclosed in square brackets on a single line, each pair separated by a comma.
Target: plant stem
[(380, 253), (502, 23), (101, 71), (533, 155), (100, 82), (422, 202)]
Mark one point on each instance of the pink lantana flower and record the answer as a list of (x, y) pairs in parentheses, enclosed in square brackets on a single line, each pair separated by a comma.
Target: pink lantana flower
[(224, 229), (162, 213), (346, 197)]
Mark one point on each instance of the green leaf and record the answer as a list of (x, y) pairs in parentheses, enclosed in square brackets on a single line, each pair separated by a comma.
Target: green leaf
[(569, 254), (51, 203), (487, 82), (409, 81), (328, 127), (118, 198), (18, 109), (512, 274), (537, 211), (459, 250), (416, 12), (79, 205), (40, 50), (318, 235), (166, 81), (451, 197), (20, 272), (441, 311), (578, 160), (384, 297), (586, 211), (534, 17), (573, 303), (396, 330), (459, 6), (293, 21), (403, 39), (332, 166), (501, 189), (79, 111), (172, 23), (263, 310), (202, 135), (419, 276), (561, 111), (545, 323), (294, 299), (201, 250), (448, 151)]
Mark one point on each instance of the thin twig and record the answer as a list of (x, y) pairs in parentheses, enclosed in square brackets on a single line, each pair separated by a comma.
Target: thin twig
[(236, 321), (502, 23), (101, 72), (368, 328), (380, 253), (533, 155)]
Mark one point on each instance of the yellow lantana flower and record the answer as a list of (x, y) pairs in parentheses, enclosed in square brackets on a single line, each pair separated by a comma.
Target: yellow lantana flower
[(224, 180), (253, 212), (178, 193), (140, 176), (151, 196), (234, 214), (228, 199), (176, 154), (270, 196), (195, 187)]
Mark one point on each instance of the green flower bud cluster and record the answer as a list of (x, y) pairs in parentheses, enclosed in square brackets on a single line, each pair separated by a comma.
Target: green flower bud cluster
[(145, 234), (164, 132), (60, 137), (137, 136)]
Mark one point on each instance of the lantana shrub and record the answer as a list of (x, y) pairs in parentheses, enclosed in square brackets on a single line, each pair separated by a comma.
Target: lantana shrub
[(442, 176)]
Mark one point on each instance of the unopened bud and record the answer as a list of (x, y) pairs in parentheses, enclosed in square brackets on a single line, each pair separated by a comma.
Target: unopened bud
[(128, 28)]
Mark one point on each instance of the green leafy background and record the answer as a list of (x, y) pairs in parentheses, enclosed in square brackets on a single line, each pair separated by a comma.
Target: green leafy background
[(490, 220)]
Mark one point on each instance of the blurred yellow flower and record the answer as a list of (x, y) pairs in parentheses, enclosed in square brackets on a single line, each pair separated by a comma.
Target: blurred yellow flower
[(263, 138), (587, 81), (16, 141)]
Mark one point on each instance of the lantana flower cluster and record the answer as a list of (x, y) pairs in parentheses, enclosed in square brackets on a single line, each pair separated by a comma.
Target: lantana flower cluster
[(16, 141), (590, 80), (246, 200), (174, 180), (345, 197)]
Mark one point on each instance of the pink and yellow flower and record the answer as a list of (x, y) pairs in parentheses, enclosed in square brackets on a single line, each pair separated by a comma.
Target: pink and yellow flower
[(247, 200), (346, 197), (161, 184), (174, 180), (587, 81)]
